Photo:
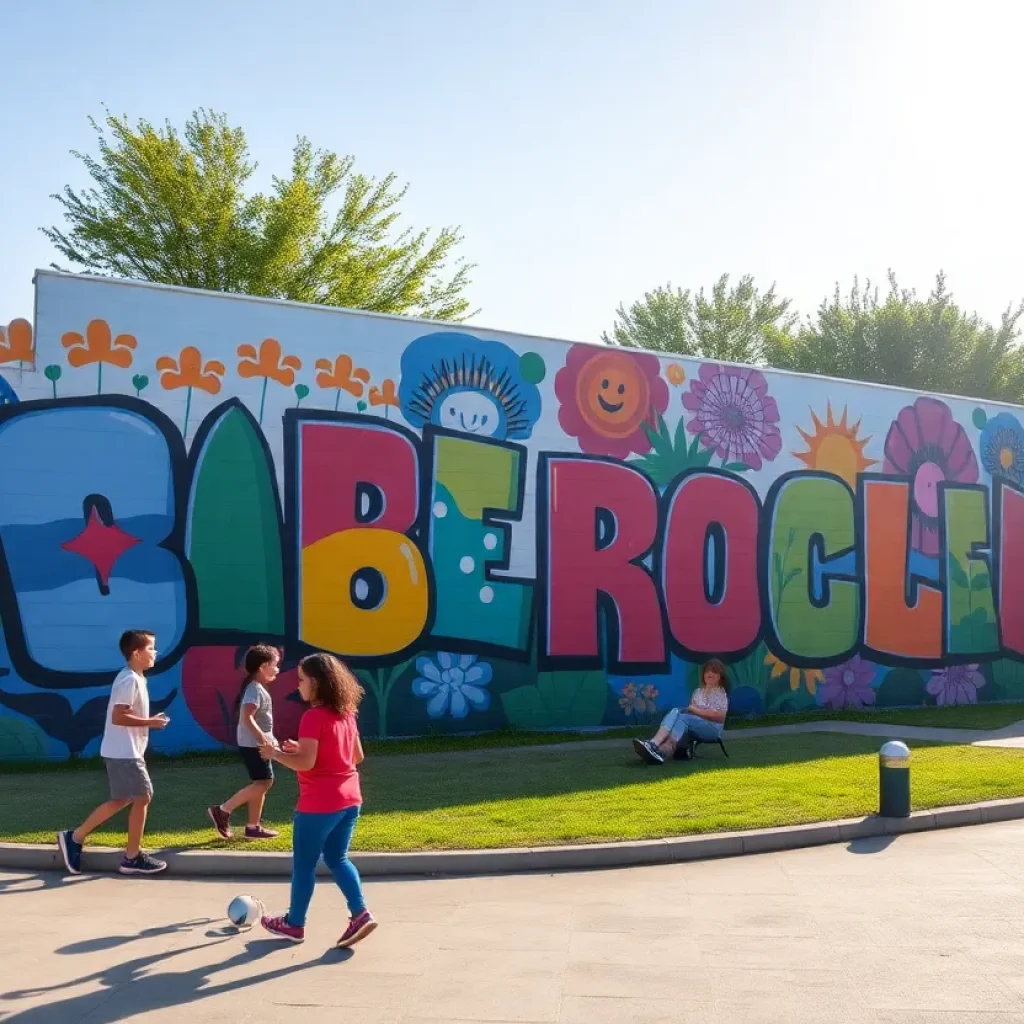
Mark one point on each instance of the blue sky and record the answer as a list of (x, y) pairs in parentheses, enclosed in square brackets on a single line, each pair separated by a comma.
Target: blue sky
[(588, 151)]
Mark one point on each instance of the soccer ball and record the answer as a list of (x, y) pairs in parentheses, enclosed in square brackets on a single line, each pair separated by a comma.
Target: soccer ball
[(245, 911)]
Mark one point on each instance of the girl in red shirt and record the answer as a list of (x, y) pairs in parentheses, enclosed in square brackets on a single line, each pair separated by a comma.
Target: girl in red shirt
[(325, 759)]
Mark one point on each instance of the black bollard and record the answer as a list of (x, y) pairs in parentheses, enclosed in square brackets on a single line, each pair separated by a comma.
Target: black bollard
[(894, 780)]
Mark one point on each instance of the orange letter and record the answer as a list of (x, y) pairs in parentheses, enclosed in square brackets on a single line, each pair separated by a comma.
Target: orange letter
[(891, 625)]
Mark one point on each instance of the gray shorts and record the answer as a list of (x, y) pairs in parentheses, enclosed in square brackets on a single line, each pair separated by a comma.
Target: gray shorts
[(128, 778)]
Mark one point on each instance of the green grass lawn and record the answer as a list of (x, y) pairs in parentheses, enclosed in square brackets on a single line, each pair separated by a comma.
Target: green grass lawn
[(521, 797), (971, 716)]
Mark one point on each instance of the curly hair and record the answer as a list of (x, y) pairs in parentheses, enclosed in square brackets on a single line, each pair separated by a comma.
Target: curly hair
[(334, 685)]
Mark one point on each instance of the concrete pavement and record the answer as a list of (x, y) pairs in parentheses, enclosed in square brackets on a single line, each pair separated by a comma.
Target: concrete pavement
[(910, 929)]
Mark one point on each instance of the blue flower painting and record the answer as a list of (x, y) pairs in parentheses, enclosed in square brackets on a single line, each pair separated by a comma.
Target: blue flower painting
[(453, 683), (469, 385), (1002, 447)]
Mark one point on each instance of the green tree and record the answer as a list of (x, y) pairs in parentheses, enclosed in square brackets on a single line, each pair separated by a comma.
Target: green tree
[(736, 324), (927, 344), (174, 208)]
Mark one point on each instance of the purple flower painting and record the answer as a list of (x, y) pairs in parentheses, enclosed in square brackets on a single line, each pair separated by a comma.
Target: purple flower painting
[(848, 685), (734, 414), (926, 444), (956, 684)]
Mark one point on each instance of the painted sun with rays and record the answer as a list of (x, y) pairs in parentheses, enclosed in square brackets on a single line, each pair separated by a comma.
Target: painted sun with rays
[(835, 448)]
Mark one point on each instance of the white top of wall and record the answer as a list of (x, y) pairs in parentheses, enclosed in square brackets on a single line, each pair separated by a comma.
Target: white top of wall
[(448, 325)]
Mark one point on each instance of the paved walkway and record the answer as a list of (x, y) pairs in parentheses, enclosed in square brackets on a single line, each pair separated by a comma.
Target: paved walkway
[(1008, 736), (920, 928)]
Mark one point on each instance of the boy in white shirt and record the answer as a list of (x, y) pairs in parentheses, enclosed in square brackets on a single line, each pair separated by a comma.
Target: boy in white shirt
[(123, 750)]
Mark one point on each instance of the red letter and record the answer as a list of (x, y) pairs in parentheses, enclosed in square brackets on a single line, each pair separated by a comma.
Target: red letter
[(602, 518), (362, 583), (727, 618), (355, 475), (1010, 510)]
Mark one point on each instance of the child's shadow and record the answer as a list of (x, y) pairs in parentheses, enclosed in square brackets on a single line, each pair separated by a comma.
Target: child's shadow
[(113, 941), (22, 883), (155, 991)]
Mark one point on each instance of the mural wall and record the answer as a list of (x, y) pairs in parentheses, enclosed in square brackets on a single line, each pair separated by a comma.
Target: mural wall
[(494, 530)]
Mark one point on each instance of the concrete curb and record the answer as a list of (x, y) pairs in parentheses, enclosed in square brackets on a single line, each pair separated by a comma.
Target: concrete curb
[(243, 863)]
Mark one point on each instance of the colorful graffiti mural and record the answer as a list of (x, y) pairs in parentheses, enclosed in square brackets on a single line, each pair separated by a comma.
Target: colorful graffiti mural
[(494, 531)]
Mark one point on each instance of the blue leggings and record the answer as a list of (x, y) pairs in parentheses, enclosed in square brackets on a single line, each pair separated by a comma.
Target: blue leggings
[(328, 836), (679, 723)]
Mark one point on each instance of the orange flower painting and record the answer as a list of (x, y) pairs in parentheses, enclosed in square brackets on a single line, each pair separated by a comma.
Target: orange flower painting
[(341, 376), (189, 371), (268, 363), (16, 343), (384, 395), (99, 346)]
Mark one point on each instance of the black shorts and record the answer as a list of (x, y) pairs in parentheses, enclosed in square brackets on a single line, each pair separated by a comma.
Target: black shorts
[(259, 770)]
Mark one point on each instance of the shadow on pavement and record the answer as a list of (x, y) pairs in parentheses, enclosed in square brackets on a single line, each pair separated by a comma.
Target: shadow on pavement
[(113, 941), (22, 883), (149, 991), (871, 844)]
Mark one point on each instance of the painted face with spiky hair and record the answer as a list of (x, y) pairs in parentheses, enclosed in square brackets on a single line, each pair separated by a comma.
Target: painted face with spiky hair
[(475, 412), (462, 383)]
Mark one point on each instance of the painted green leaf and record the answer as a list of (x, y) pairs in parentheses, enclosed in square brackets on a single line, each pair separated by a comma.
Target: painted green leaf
[(20, 740), (680, 441), (956, 571), (1009, 677), (777, 690), (980, 581), (559, 699), (974, 634), (736, 467), (660, 439), (901, 687), (233, 537)]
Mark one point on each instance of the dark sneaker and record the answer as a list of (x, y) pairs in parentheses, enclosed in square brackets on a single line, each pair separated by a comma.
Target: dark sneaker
[(143, 864), (358, 928), (280, 927), (648, 752), (70, 851), (221, 820), (259, 832)]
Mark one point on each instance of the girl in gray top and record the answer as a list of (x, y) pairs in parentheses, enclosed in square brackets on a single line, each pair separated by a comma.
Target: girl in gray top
[(255, 728)]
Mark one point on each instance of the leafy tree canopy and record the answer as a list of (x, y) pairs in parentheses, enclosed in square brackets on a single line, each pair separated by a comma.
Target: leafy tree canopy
[(928, 344), (735, 323), (173, 208)]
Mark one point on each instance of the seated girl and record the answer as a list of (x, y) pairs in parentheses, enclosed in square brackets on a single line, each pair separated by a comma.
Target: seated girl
[(702, 720)]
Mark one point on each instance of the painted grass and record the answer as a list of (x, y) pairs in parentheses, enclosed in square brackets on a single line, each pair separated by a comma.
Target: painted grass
[(485, 799)]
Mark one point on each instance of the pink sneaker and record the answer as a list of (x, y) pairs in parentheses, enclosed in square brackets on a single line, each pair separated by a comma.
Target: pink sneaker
[(259, 832), (280, 927), (221, 820), (358, 928)]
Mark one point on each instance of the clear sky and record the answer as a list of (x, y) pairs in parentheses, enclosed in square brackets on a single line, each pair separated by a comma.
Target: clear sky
[(589, 149)]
